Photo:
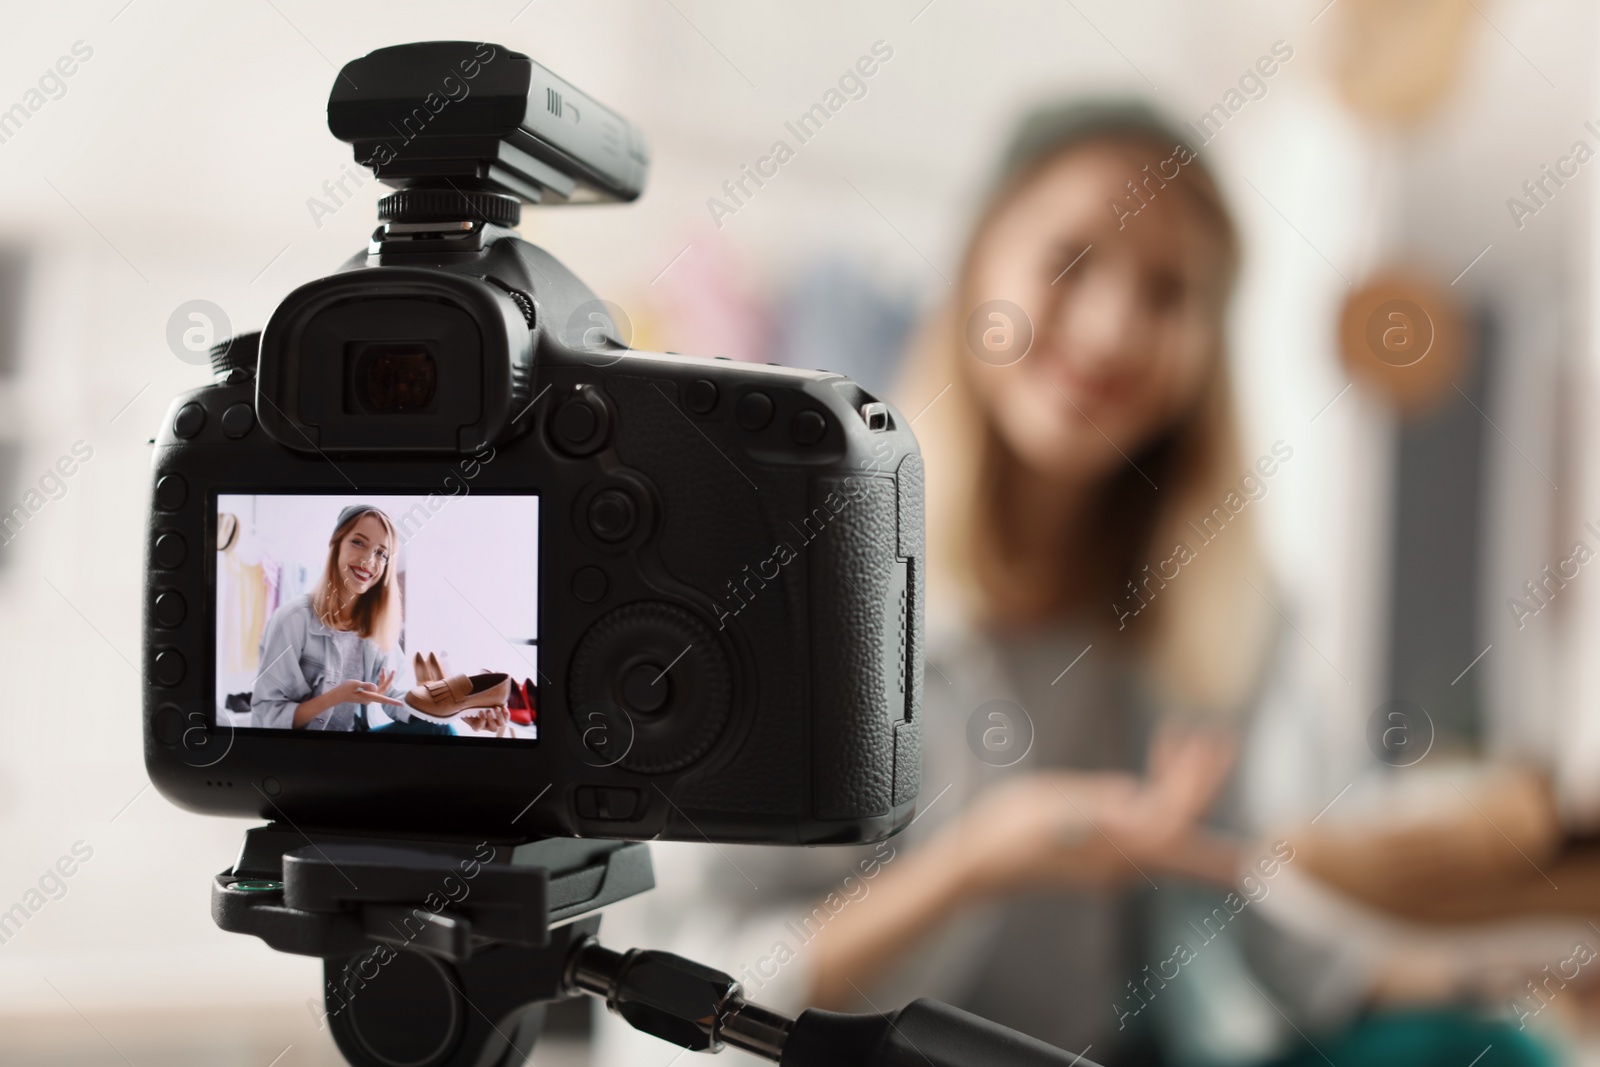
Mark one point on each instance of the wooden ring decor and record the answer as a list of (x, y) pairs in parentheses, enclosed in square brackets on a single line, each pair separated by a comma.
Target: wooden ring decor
[(1403, 339)]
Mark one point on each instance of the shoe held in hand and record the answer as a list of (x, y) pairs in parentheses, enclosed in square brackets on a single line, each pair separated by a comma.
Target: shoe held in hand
[(449, 697)]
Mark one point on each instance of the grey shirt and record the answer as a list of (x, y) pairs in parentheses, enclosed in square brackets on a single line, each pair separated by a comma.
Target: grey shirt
[(302, 658), (1055, 964), (1049, 964)]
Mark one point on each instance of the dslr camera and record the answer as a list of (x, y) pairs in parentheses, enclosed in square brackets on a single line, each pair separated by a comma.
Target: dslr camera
[(604, 593), (468, 600)]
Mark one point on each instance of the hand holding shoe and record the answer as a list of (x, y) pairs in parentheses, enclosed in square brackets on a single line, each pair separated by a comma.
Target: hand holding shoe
[(489, 720)]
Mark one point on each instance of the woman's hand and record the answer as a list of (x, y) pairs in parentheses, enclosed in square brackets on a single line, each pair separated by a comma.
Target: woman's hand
[(1187, 770), (1041, 830), (356, 691), (350, 691), (1104, 830), (1055, 830), (488, 720)]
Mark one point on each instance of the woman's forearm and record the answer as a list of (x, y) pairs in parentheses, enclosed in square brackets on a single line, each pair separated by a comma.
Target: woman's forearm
[(310, 709), (872, 934), (1205, 857)]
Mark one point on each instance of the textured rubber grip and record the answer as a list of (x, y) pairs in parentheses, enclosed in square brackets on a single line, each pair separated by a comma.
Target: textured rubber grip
[(853, 736)]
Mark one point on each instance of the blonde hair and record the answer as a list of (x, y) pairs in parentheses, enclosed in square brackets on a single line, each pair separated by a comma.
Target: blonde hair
[(376, 613), (1207, 630)]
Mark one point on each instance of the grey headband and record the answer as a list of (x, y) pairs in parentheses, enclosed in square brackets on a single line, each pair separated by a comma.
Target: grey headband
[(351, 512), (1049, 128)]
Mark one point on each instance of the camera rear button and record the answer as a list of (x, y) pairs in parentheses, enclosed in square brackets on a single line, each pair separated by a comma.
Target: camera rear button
[(755, 411), (171, 551), (581, 425), (191, 418), (701, 396), (168, 725), (575, 423), (612, 803), (589, 584), (171, 492), (808, 427), (170, 608), (646, 688), (612, 515), (170, 667), (238, 420)]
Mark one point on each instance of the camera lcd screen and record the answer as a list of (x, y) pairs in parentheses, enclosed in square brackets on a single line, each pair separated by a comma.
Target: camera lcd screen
[(378, 615)]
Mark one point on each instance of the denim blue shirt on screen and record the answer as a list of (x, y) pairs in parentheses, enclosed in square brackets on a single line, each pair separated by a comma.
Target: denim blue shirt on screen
[(302, 658)]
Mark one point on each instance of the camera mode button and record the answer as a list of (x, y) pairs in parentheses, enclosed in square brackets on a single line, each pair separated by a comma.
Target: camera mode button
[(168, 725), (608, 802), (191, 418), (170, 668), (701, 396), (808, 427), (238, 420), (754, 412), (171, 551), (171, 492), (169, 608)]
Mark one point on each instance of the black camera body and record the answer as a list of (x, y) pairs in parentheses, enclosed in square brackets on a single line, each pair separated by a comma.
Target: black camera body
[(729, 557)]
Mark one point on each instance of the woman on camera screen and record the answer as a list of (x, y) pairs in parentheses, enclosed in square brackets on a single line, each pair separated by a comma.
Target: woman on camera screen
[(328, 654)]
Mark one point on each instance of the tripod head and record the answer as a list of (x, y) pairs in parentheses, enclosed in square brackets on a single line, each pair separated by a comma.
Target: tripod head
[(444, 952)]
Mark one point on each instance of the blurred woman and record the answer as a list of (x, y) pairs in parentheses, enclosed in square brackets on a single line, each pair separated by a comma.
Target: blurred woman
[(1091, 655), (1092, 565), (1084, 866)]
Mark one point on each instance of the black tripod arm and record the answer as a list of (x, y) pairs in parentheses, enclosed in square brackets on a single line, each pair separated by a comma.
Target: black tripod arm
[(703, 1009), (924, 1033)]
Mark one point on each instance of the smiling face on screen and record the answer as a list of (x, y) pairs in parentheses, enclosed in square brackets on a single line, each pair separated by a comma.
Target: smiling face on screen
[(364, 554)]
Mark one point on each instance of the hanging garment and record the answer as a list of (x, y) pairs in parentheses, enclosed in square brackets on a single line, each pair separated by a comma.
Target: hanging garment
[(272, 573), (242, 596)]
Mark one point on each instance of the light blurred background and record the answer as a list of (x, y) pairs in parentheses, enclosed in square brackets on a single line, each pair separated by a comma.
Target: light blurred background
[(178, 165)]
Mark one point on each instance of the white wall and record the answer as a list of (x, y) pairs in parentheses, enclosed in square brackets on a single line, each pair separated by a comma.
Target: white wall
[(178, 166)]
